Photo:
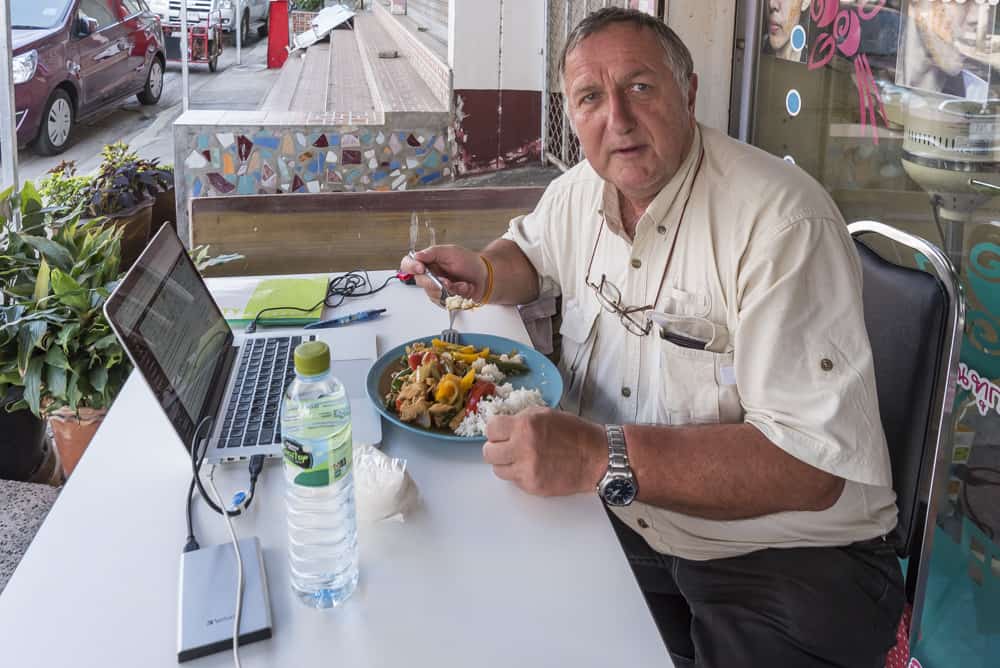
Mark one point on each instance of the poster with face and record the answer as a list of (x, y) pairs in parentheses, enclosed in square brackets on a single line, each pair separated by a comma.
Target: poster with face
[(786, 28), (948, 48)]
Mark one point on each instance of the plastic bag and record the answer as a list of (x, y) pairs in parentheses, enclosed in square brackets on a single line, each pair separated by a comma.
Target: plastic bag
[(382, 487)]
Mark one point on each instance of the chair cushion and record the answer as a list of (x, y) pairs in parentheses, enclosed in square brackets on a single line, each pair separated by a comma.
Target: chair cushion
[(905, 313)]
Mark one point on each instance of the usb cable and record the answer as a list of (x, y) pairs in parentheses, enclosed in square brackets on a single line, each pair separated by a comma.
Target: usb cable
[(239, 570)]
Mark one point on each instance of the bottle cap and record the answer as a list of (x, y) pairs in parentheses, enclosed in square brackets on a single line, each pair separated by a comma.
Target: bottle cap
[(312, 358)]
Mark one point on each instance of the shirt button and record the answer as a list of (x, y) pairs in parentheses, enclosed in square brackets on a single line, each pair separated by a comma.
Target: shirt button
[(636, 263), (661, 229), (626, 392), (826, 364), (643, 524)]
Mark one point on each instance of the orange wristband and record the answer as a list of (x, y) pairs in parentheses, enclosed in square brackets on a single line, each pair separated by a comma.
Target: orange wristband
[(489, 280)]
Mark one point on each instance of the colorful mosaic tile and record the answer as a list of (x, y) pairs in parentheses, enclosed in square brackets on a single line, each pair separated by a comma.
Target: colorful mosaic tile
[(267, 141), (248, 160), (243, 147)]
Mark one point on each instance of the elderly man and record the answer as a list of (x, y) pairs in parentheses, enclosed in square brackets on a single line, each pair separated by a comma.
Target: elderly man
[(713, 343)]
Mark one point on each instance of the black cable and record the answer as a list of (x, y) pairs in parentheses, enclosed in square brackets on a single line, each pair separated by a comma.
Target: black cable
[(351, 284), (197, 459)]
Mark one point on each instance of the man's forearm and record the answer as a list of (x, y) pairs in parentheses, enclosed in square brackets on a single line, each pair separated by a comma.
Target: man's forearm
[(515, 280), (724, 472)]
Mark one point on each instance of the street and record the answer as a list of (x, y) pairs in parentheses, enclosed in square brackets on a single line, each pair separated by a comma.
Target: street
[(147, 130)]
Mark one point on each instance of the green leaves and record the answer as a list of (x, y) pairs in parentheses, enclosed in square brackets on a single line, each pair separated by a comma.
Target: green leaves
[(54, 340), (55, 254), (29, 337), (33, 384), (70, 292)]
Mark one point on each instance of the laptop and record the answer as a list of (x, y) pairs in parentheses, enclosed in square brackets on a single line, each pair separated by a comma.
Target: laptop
[(197, 367)]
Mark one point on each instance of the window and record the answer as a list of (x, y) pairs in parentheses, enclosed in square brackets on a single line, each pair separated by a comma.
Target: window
[(28, 14), (98, 10)]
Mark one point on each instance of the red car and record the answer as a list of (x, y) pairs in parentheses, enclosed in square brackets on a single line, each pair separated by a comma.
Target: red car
[(74, 58)]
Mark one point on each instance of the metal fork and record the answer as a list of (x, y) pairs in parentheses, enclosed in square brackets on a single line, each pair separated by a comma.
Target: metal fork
[(449, 335)]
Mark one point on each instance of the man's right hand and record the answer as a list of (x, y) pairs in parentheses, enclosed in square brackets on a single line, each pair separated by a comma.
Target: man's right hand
[(462, 272)]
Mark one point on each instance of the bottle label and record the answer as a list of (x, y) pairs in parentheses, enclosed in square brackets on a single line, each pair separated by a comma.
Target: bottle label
[(327, 463)]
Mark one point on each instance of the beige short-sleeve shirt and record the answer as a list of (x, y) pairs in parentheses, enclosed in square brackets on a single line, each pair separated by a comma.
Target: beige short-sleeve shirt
[(757, 318)]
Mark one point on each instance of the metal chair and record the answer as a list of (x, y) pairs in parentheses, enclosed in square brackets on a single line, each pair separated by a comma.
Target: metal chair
[(915, 320)]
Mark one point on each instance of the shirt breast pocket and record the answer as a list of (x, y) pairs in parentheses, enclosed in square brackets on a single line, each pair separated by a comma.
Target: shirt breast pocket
[(697, 386)]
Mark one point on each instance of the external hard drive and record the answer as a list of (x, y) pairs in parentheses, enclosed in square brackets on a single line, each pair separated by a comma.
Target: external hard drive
[(208, 599)]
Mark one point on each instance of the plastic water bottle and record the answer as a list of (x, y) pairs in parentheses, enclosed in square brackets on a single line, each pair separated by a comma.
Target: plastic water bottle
[(319, 497)]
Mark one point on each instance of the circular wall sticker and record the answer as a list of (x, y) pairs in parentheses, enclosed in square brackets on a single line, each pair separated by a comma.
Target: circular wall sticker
[(793, 102), (789, 159), (798, 38)]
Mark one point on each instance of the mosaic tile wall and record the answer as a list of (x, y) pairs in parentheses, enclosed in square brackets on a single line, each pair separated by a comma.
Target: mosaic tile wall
[(269, 160)]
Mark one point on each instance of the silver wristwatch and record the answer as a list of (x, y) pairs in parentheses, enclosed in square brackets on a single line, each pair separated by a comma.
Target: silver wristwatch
[(618, 487)]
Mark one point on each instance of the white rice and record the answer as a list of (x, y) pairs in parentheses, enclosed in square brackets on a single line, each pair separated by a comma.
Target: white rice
[(506, 401), (491, 373)]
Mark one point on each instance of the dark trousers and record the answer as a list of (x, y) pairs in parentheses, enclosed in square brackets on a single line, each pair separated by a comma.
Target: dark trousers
[(780, 608)]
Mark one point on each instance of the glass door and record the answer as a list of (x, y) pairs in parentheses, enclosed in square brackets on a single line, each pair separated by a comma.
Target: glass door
[(894, 107)]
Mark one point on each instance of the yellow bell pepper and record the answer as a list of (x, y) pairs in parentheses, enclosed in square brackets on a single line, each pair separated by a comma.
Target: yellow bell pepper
[(447, 391), (467, 381)]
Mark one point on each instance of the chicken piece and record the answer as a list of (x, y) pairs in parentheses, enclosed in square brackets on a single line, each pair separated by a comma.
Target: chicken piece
[(457, 420), (411, 391), (413, 411)]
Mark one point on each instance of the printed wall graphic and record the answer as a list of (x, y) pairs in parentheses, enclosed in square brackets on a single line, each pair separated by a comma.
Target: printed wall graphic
[(793, 102), (948, 47), (839, 32), (785, 30)]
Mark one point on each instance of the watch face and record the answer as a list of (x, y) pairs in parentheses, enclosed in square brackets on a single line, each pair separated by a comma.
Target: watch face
[(619, 492)]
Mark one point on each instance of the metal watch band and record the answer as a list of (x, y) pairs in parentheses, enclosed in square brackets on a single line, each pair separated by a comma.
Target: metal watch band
[(617, 453)]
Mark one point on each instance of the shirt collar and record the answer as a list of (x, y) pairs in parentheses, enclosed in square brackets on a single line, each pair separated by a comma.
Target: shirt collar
[(663, 203)]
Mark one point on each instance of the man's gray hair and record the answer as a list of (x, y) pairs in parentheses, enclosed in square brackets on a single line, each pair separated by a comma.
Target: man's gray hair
[(674, 50)]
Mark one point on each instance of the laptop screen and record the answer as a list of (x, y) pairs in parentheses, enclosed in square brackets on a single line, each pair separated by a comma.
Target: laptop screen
[(173, 331)]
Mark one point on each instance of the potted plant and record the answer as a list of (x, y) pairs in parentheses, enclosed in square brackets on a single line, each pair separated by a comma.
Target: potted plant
[(62, 188), (56, 275), (124, 189)]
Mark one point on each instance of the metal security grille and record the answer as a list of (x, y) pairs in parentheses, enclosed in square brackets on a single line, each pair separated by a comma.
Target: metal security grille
[(559, 144)]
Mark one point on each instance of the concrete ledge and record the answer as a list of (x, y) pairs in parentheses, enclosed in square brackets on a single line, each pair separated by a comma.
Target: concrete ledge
[(428, 64)]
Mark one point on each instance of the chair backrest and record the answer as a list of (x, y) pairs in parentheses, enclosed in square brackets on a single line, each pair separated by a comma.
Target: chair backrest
[(914, 320)]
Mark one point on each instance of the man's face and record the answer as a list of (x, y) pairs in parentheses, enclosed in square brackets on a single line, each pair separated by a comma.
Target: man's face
[(627, 109), (782, 16)]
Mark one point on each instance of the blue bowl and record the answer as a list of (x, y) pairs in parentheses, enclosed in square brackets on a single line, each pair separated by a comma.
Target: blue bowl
[(542, 375)]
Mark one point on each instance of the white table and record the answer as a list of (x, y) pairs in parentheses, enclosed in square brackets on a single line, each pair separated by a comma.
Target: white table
[(482, 575)]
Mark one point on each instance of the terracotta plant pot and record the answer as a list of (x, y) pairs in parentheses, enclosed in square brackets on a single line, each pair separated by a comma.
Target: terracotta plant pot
[(72, 433), (136, 224)]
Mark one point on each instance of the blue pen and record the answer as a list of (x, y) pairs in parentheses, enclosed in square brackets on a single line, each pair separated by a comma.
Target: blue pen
[(346, 319)]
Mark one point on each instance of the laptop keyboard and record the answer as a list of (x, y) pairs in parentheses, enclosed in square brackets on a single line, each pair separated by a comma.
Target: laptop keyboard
[(266, 368)]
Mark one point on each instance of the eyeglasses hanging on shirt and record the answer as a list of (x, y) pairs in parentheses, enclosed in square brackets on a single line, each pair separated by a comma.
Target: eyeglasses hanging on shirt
[(608, 294)]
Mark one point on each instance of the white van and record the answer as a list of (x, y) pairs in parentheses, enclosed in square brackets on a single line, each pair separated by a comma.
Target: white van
[(254, 12)]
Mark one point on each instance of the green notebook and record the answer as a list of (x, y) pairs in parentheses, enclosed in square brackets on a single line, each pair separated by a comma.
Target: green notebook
[(241, 299)]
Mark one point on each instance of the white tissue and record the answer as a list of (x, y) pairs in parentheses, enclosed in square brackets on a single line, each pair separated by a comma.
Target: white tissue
[(383, 489)]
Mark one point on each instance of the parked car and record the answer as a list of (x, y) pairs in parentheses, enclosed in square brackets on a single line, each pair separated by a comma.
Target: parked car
[(74, 58)]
